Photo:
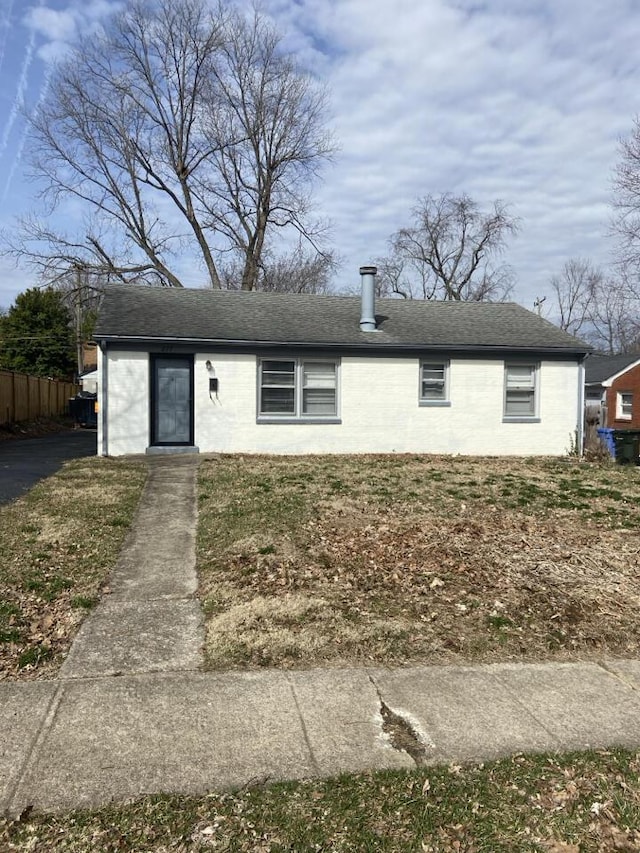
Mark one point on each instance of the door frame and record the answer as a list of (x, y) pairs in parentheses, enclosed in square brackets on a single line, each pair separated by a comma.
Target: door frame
[(153, 398)]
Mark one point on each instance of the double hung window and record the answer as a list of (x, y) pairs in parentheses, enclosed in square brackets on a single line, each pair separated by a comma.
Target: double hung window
[(297, 388), (624, 406), (521, 391), (434, 384)]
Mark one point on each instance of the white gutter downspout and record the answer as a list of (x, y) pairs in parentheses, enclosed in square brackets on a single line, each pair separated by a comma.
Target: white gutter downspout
[(580, 429), (104, 449), (368, 299)]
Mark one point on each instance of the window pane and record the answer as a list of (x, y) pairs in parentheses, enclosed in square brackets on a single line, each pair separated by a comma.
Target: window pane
[(319, 401), (279, 366), (278, 373), (279, 401), (626, 404), (520, 375), (520, 403), (319, 374), (433, 381), (433, 390)]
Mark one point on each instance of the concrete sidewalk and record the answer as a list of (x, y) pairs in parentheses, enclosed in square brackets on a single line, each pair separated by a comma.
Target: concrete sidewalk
[(85, 742), (132, 713)]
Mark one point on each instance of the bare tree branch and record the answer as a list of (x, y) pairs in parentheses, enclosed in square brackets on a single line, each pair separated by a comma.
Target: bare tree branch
[(449, 250), (605, 311), (181, 129)]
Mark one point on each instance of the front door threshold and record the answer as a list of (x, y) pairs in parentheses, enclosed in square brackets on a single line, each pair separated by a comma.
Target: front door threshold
[(165, 449)]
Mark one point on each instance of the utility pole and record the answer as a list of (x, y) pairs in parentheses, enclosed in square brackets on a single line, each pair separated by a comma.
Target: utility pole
[(78, 317)]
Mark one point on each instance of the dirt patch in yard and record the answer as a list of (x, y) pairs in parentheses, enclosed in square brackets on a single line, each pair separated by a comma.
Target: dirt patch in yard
[(340, 560)]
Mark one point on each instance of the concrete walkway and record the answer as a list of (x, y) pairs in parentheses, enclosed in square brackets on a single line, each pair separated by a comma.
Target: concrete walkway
[(90, 737), (150, 620)]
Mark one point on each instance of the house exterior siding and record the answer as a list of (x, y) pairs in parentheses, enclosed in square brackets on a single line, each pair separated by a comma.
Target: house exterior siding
[(628, 382), (378, 408)]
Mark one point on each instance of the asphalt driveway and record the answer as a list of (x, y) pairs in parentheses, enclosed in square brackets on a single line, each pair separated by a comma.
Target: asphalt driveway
[(24, 461)]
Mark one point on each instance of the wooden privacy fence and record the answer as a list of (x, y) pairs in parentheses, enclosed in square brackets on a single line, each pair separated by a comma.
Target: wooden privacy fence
[(23, 398)]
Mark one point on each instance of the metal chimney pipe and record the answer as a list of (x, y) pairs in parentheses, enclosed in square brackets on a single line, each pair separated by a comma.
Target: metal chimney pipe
[(368, 297)]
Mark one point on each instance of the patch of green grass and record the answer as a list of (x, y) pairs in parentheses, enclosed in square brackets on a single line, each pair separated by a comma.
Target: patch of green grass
[(9, 635), (47, 586), (33, 656), (8, 609), (85, 602), (498, 621), (58, 543), (585, 802)]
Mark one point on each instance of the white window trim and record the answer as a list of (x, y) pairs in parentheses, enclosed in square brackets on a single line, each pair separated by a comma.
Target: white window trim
[(620, 414), (535, 416), (428, 401), (297, 417)]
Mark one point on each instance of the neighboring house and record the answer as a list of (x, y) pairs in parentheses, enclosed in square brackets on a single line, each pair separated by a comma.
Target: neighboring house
[(89, 381), (612, 390), (89, 357), (237, 372)]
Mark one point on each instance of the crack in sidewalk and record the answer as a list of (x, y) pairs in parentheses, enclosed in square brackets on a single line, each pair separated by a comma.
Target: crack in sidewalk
[(610, 670), (14, 808), (401, 733)]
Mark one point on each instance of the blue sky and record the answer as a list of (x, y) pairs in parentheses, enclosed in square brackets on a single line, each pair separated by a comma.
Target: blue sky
[(513, 99)]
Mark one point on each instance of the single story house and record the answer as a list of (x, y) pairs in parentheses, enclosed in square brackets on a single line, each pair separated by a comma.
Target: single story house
[(89, 381), (612, 390), (238, 372)]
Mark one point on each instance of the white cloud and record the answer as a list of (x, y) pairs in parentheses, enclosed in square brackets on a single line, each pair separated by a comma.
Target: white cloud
[(52, 24), (523, 102), (519, 101), (61, 26)]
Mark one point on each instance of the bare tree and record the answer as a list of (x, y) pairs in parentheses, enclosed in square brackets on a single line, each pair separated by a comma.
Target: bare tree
[(575, 291), (297, 271), (449, 251), (626, 201), (182, 130), (273, 144), (614, 317), (603, 310)]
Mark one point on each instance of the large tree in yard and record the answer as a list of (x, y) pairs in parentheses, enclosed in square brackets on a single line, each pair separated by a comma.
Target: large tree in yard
[(36, 335), (450, 251), (183, 130)]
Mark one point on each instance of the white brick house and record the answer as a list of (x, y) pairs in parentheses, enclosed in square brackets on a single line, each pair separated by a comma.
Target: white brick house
[(233, 372)]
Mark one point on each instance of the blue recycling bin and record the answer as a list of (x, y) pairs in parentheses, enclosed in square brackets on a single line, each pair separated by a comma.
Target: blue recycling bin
[(605, 435)]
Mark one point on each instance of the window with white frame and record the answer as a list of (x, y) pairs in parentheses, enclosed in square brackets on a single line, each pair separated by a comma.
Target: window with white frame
[(520, 390), (434, 382), (297, 388), (624, 405)]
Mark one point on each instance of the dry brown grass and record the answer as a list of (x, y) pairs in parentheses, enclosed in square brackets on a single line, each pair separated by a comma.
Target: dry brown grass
[(58, 544), (395, 559)]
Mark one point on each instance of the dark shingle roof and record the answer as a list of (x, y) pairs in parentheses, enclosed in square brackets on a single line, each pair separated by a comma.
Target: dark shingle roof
[(269, 318), (599, 368)]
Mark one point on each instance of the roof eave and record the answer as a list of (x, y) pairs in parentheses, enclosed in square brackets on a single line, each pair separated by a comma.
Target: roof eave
[(367, 346), (608, 382)]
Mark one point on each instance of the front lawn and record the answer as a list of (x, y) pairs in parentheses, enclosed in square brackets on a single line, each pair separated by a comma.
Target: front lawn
[(57, 546), (576, 803), (356, 559)]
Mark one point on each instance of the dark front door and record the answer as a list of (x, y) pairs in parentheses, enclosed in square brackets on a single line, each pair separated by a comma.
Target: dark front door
[(172, 400)]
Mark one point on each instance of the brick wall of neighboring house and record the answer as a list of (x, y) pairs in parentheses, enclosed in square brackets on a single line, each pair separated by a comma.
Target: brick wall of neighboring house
[(628, 383)]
